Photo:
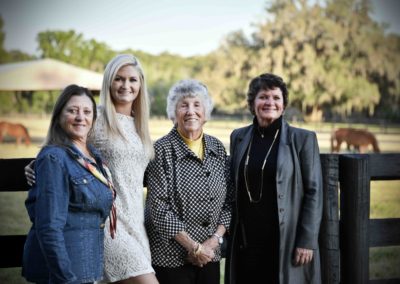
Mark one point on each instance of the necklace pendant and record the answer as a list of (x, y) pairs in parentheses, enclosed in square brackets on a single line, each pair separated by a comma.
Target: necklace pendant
[(261, 132), (262, 168)]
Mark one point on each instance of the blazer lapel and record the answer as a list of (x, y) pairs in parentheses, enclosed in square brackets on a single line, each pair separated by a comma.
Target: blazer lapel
[(283, 151), (243, 141)]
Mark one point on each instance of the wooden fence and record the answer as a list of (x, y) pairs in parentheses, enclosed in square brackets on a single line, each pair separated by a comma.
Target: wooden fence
[(12, 179), (358, 232), (344, 256)]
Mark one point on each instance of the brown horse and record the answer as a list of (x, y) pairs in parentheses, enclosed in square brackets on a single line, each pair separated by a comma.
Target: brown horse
[(358, 138), (16, 130)]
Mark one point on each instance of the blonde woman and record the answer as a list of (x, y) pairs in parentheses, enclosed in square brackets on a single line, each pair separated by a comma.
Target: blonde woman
[(121, 134)]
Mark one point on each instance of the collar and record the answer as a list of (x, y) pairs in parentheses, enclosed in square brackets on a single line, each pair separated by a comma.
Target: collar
[(244, 135), (189, 141), (74, 151), (182, 150), (270, 129)]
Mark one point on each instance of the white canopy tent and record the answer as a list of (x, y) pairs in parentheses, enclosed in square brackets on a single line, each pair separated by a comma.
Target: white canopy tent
[(46, 75)]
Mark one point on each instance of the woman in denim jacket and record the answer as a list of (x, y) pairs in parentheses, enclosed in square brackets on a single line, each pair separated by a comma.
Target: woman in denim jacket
[(71, 199)]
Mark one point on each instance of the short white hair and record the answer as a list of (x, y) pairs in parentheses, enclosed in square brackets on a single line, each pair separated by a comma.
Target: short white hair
[(188, 88)]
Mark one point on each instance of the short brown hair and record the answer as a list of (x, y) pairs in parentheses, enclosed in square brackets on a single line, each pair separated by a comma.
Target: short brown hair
[(266, 81)]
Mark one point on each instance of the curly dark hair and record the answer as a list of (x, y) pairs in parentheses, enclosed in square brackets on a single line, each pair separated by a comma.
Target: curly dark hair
[(266, 81)]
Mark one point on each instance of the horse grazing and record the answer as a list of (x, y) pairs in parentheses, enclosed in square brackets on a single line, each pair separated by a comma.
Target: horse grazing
[(16, 130), (358, 138)]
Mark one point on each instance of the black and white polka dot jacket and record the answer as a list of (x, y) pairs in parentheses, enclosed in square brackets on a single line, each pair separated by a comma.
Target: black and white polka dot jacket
[(185, 194)]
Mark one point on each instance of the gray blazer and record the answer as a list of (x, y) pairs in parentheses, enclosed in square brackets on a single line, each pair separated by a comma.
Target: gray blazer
[(299, 200)]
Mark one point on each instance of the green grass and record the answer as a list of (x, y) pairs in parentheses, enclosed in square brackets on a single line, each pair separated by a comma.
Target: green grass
[(384, 262), (385, 199), (14, 218), (12, 275), (385, 195)]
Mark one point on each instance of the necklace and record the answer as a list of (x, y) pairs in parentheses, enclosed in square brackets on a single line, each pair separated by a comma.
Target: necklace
[(259, 131), (262, 168)]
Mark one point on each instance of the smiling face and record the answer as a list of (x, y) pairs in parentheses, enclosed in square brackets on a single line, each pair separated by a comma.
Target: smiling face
[(190, 117), (268, 106), (76, 118), (125, 87)]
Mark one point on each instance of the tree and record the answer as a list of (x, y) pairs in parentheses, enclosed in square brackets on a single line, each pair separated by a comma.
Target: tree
[(226, 73), (3, 53), (334, 57), (72, 48)]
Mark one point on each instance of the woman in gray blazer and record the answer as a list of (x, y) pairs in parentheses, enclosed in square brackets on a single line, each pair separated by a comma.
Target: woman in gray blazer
[(277, 175), (188, 206)]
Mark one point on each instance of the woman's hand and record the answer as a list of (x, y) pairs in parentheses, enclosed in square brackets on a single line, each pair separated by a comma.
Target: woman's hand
[(302, 256), (211, 244), (30, 173), (202, 256), (208, 248)]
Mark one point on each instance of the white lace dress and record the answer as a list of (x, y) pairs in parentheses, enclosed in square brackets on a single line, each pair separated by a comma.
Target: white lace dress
[(128, 254)]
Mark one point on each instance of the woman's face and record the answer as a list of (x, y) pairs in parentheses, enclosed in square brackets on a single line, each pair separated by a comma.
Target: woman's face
[(268, 106), (76, 118), (126, 86), (190, 117)]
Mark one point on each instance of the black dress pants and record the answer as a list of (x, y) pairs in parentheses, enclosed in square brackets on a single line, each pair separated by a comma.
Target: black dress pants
[(189, 274), (258, 263)]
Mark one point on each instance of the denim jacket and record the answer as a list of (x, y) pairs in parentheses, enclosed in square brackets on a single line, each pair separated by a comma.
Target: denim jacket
[(68, 207)]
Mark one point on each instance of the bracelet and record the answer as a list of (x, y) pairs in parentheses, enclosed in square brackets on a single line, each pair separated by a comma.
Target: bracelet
[(197, 250), (220, 238), (216, 235)]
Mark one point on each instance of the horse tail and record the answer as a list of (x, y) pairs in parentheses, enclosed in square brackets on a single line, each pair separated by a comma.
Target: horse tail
[(374, 142), (2, 130)]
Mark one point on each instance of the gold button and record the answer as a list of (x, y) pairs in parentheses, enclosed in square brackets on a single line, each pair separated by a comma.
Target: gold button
[(102, 225)]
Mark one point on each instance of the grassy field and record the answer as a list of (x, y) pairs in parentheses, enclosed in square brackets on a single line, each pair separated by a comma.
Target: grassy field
[(385, 195)]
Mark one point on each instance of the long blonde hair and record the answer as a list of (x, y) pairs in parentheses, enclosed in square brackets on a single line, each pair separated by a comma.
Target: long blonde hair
[(140, 106)]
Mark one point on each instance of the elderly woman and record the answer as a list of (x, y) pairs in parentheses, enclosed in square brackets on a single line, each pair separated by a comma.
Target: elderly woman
[(188, 205), (278, 183), (71, 199)]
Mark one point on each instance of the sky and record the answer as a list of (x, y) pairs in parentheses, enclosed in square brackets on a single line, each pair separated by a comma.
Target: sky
[(184, 27)]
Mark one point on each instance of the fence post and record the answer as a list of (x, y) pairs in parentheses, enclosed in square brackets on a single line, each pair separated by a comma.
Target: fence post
[(354, 180), (329, 233)]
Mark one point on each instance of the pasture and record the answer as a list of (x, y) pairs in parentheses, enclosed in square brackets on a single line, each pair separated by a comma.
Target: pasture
[(388, 136), (385, 195)]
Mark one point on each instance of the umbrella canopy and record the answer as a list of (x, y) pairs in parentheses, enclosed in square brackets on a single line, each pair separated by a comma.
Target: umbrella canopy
[(46, 75)]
